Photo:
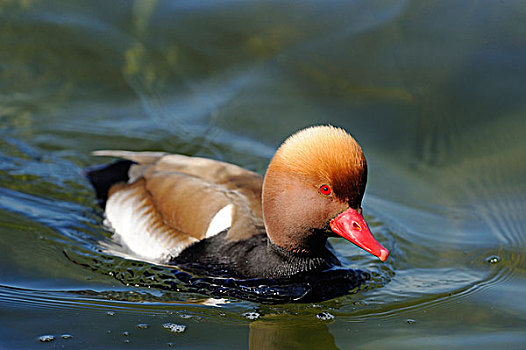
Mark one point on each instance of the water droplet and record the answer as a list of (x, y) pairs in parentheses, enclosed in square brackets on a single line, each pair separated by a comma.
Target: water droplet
[(175, 328), (494, 259), (251, 315), (185, 316), (127, 341), (171, 345), (142, 326), (126, 333), (46, 338), (325, 316), (410, 321), (110, 313), (66, 336)]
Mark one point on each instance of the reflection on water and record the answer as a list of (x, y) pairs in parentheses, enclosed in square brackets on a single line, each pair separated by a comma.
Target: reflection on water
[(290, 334), (432, 90)]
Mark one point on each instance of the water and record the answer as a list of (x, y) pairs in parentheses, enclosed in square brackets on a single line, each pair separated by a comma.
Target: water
[(434, 91)]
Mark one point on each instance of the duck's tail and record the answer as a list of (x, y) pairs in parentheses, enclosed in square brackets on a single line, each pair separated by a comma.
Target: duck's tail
[(102, 177)]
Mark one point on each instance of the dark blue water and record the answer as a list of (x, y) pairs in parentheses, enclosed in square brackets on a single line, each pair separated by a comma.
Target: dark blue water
[(434, 92)]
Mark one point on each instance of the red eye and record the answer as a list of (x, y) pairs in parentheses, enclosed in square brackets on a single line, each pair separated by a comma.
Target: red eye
[(325, 190)]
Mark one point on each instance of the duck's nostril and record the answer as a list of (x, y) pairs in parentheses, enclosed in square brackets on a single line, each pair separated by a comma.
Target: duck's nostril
[(356, 226)]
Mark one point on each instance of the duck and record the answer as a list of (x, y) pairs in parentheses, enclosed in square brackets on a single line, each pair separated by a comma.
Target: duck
[(219, 219)]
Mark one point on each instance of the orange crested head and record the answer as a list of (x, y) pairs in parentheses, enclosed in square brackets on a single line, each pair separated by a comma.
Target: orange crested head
[(325, 155), (313, 189)]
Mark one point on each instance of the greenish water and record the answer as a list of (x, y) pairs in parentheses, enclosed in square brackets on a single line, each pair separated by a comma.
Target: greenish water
[(433, 90)]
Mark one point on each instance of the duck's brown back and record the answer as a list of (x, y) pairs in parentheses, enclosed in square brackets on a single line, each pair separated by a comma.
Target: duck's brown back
[(171, 201)]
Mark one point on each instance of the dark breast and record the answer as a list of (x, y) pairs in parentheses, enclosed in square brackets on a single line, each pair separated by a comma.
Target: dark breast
[(254, 257)]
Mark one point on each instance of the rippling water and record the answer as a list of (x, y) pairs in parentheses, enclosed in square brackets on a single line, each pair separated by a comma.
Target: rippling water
[(434, 91)]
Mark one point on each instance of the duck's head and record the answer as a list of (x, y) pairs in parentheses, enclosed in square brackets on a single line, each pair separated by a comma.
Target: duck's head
[(313, 189)]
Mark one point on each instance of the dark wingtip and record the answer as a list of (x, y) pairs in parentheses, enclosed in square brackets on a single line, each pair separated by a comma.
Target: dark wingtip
[(102, 177)]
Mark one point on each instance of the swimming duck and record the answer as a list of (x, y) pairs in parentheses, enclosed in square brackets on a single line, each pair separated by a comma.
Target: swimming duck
[(220, 219)]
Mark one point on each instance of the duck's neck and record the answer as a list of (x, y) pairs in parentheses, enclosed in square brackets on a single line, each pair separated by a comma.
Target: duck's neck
[(287, 213), (293, 263)]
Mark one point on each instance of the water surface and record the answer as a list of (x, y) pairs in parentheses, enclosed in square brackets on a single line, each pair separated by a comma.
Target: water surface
[(434, 92)]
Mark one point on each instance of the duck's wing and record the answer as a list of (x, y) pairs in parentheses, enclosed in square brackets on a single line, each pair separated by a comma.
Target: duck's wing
[(171, 201)]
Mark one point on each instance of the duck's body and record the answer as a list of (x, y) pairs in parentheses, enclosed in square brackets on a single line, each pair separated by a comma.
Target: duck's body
[(221, 219)]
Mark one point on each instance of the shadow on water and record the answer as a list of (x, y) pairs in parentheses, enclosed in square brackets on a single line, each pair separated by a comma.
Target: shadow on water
[(304, 289), (432, 90)]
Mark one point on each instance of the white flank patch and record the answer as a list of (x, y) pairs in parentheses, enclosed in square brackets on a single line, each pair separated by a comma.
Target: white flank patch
[(221, 221), (133, 226)]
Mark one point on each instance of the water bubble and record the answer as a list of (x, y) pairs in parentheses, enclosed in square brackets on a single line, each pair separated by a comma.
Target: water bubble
[(126, 333), (410, 321), (66, 336), (494, 259), (325, 316), (142, 326), (185, 316), (46, 338), (171, 345), (251, 315), (175, 328), (110, 313)]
